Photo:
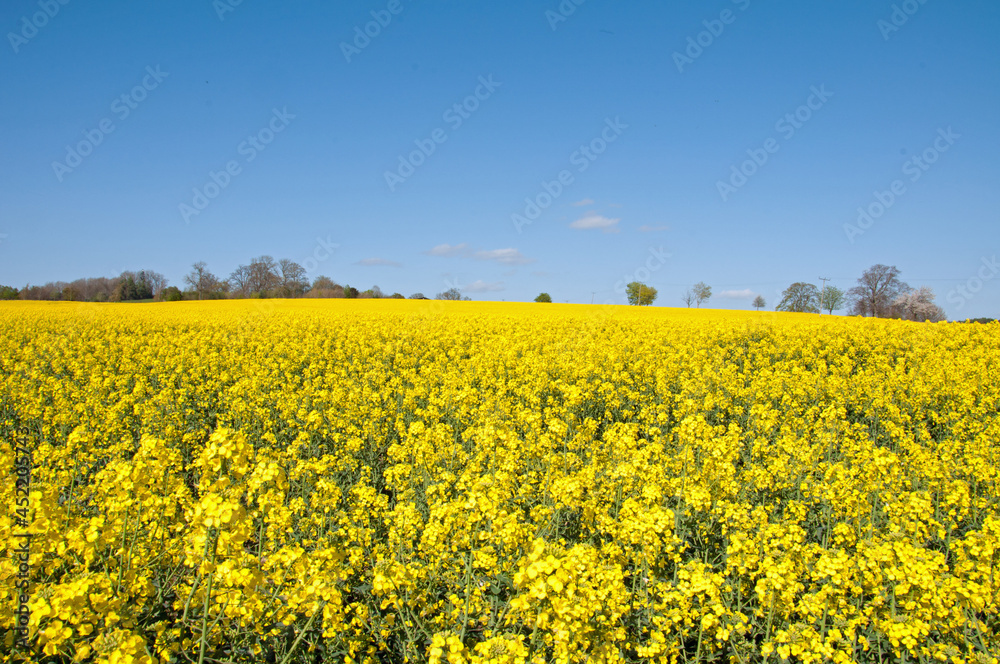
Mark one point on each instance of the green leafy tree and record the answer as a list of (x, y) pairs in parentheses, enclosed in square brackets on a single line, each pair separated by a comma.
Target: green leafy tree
[(832, 299), (800, 297), (543, 297), (640, 294), (702, 292), (171, 294), (8, 293), (759, 302)]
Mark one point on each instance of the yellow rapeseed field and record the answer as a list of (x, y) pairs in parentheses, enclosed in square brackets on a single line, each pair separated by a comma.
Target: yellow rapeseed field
[(402, 481)]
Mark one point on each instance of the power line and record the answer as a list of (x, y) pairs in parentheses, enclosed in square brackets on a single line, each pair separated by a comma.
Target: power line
[(822, 296)]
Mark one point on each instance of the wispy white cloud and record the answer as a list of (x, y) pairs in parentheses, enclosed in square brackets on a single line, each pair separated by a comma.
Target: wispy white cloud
[(507, 256), (480, 286), (594, 220), (378, 261), (645, 228), (744, 294), (449, 250), (584, 202)]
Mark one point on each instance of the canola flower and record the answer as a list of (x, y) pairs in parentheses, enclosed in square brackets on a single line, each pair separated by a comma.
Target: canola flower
[(397, 481)]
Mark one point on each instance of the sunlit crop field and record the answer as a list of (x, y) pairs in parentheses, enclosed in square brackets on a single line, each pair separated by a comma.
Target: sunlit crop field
[(390, 481)]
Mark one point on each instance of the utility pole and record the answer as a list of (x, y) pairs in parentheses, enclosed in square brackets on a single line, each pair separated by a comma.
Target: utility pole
[(822, 297)]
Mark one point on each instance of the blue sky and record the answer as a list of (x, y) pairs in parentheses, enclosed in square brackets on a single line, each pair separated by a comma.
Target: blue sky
[(730, 142)]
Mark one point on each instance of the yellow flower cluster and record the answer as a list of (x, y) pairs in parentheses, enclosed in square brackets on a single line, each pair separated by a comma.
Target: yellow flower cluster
[(473, 483)]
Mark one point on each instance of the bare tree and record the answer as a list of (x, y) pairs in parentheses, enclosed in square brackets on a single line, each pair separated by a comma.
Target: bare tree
[(157, 282), (450, 294), (293, 278), (239, 280), (918, 305), (260, 278), (263, 275), (759, 302), (688, 298), (201, 280), (877, 288)]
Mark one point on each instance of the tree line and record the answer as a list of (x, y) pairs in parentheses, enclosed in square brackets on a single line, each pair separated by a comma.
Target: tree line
[(262, 277), (879, 293), (128, 286)]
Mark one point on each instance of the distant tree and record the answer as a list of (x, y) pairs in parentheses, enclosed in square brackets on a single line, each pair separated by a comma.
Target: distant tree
[(800, 297), (293, 282), (325, 287), (543, 297), (450, 294), (759, 302), (918, 305), (418, 296), (239, 280), (688, 298), (156, 281), (171, 294), (8, 293), (832, 299), (702, 292), (132, 286), (201, 281), (49, 291), (264, 277), (322, 283), (70, 293), (350, 291), (877, 288), (373, 293), (640, 294), (397, 296)]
